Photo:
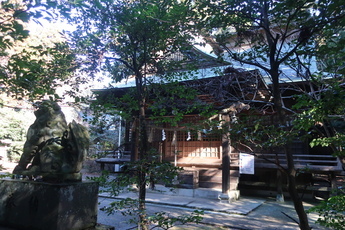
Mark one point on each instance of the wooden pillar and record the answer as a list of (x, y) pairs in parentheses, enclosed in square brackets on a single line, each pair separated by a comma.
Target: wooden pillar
[(280, 194), (127, 136), (134, 142), (226, 156), (334, 187)]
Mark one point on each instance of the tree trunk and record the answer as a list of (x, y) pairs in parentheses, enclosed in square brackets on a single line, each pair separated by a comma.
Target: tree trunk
[(291, 171), (297, 201), (143, 168), (142, 153), (142, 198), (226, 158)]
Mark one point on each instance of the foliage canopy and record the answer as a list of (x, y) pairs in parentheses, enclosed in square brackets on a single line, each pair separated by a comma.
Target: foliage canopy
[(31, 67)]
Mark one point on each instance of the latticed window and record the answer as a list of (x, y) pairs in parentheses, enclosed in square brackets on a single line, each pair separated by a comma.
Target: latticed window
[(186, 139), (192, 143)]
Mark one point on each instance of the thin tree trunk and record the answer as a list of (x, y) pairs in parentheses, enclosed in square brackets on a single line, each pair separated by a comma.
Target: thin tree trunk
[(291, 171), (143, 168), (142, 199), (142, 152), (297, 201), (226, 158)]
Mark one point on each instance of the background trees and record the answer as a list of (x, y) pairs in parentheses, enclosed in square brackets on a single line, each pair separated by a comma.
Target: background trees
[(31, 66)]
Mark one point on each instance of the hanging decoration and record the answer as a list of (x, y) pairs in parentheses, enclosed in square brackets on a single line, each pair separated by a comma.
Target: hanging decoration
[(174, 139), (150, 137), (188, 136), (199, 136), (163, 135)]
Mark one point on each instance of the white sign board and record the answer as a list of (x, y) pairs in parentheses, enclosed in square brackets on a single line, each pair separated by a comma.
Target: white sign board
[(246, 163)]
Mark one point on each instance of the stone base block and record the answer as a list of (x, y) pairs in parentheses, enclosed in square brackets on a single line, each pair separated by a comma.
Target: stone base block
[(102, 227), (48, 206), (232, 195)]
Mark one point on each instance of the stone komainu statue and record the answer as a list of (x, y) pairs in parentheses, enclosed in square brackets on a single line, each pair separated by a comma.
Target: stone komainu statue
[(53, 149)]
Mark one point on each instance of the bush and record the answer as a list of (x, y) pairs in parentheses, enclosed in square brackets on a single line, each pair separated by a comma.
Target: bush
[(14, 123), (331, 212), (15, 151)]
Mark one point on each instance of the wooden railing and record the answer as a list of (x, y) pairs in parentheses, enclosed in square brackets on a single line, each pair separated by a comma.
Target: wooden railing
[(302, 161)]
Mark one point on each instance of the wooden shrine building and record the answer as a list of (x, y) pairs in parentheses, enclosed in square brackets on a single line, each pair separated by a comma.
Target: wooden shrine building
[(212, 159)]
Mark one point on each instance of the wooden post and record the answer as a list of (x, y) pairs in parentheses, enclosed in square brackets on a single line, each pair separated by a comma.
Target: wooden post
[(226, 156), (280, 194), (334, 187), (127, 136)]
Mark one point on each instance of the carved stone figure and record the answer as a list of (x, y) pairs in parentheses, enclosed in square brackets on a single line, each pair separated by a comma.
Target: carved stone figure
[(53, 150)]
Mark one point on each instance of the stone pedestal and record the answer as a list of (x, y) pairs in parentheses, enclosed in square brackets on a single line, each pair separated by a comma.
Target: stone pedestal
[(230, 196), (48, 206)]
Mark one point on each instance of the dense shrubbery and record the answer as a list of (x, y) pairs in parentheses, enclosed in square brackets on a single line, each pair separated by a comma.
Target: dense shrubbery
[(332, 212), (13, 126), (14, 151)]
